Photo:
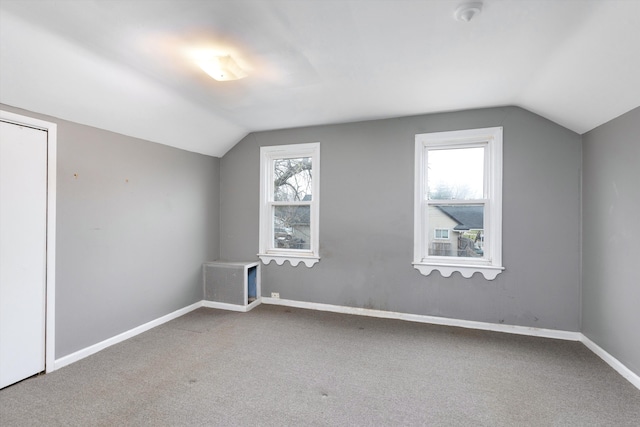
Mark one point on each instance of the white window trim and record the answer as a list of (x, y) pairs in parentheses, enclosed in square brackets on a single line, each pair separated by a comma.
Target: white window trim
[(267, 252), (490, 265)]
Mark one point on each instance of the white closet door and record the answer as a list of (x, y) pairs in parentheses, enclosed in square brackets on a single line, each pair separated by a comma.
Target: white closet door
[(23, 228)]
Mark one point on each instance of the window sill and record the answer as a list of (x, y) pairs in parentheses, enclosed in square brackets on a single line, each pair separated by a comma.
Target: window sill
[(488, 271), (294, 260)]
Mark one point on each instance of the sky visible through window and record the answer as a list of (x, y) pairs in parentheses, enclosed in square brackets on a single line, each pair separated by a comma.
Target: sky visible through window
[(455, 173)]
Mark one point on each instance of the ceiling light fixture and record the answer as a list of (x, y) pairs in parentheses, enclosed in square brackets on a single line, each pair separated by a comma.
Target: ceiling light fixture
[(466, 12), (222, 68)]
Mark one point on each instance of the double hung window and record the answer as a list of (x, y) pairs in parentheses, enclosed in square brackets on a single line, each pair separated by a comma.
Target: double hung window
[(458, 202), (289, 184)]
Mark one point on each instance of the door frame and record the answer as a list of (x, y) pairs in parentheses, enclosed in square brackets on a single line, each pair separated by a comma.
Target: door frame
[(50, 297)]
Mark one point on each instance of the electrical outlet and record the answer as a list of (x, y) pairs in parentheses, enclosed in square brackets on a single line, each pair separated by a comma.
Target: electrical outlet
[(275, 295)]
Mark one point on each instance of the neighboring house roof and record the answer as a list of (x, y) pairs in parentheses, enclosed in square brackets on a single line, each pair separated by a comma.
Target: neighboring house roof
[(467, 217)]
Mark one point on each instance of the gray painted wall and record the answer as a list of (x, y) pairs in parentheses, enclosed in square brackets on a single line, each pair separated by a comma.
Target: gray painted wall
[(366, 221), (130, 252), (611, 208), (132, 231)]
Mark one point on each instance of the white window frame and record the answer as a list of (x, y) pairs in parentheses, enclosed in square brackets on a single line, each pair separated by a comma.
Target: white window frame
[(490, 265), (267, 251), (435, 234)]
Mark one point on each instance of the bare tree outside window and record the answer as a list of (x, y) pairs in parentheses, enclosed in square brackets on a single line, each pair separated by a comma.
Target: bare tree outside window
[(292, 179)]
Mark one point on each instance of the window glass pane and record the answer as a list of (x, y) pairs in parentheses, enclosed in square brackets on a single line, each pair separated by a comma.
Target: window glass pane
[(441, 233), (292, 179), (455, 174), (292, 227), (466, 223)]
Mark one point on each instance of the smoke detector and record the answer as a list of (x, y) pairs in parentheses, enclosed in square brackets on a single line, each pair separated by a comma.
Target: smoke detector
[(467, 11)]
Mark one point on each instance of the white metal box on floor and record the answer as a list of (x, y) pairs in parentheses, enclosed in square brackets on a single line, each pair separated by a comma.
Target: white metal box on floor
[(231, 285)]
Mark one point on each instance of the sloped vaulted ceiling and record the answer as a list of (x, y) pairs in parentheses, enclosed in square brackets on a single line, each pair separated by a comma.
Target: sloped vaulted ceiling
[(126, 65)]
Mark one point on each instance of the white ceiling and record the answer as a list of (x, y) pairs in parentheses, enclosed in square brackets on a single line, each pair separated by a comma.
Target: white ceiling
[(125, 65)]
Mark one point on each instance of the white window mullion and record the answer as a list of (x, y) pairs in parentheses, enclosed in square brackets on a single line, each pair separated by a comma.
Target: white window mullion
[(457, 202), (296, 203)]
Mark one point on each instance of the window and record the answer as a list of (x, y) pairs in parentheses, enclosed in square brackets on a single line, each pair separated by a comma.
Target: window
[(289, 183), (441, 234), (458, 202)]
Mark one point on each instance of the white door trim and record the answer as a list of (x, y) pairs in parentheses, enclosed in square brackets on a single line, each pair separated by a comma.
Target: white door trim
[(52, 130)]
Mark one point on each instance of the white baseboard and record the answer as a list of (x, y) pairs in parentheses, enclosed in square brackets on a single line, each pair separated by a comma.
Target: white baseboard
[(232, 307), (612, 361), (81, 354), (470, 324)]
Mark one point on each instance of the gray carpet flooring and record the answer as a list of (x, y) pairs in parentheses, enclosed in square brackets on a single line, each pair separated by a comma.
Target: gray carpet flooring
[(277, 366)]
